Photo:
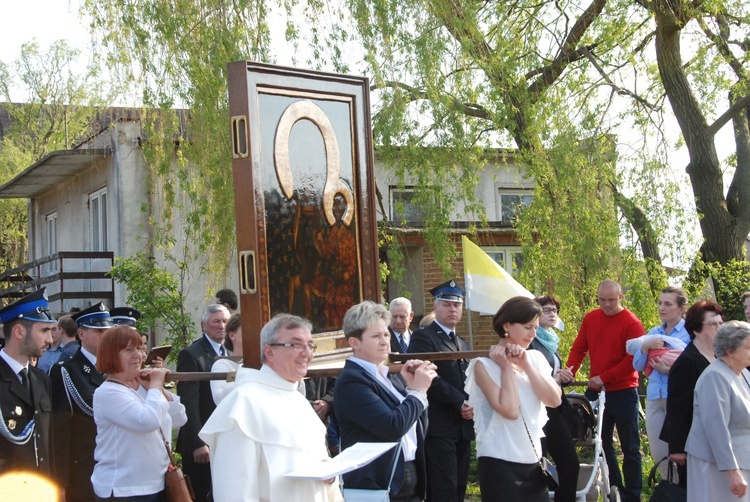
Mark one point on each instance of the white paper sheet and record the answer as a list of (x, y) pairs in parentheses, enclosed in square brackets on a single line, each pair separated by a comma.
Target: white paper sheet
[(348, 460)]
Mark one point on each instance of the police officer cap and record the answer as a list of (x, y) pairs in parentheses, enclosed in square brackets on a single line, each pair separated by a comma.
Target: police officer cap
[(33, 307), (96, 316), (449, 291), (125, 315)]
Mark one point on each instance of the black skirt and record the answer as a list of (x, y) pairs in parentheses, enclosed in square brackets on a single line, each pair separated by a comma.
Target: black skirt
[(503, 481)]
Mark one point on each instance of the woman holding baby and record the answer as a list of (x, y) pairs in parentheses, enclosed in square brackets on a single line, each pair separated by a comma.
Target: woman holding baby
[(654, 354)]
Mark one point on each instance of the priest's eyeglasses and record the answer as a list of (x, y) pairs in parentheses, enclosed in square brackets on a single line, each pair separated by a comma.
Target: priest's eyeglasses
[(298, 347)]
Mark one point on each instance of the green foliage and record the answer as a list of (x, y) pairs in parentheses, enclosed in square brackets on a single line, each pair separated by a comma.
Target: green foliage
[(723, 282), (159, 295), (57, 111)]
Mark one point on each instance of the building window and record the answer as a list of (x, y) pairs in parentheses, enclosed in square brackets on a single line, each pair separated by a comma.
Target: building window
[(511, 203), (51, 240), (509, 257), (98, 219), (404, 206)]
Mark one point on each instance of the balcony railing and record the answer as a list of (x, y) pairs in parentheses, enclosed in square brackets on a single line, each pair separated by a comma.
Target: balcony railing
[(67, 275)]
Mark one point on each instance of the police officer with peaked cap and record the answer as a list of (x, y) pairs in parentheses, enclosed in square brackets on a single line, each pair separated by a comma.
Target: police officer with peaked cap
[(25, 404), (125, 315), (451, 425), (73, 384)]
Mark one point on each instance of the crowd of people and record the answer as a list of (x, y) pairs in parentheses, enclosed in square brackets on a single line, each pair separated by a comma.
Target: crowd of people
[(93, 418)]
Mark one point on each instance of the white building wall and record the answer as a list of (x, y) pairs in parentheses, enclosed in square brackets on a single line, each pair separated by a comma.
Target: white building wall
[(495, 176)]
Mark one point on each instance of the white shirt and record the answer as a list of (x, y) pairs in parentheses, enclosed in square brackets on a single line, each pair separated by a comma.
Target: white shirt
[(409, 441), (447, 331), (91, 357), (260, 431), (220, 388), (402, 337), (130, 455), (14, 365), (498, 437), (217, 346)]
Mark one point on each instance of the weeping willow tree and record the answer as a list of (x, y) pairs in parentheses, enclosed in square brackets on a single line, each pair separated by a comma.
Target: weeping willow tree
[(571, 86)]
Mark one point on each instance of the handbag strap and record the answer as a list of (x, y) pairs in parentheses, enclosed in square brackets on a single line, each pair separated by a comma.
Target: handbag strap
[(395, 463), (539, 459), (169, 450), (655, 468)]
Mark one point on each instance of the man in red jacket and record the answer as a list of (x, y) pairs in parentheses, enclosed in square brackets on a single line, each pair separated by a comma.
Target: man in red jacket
[(603, 334)]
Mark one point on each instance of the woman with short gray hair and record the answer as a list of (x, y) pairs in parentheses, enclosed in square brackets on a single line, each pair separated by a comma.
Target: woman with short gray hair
[(718, 445), (372, 406)]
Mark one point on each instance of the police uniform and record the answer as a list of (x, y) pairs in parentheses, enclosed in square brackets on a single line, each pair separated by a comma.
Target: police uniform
[(26, 413), (125, 315), (74, 430), (448, 442)]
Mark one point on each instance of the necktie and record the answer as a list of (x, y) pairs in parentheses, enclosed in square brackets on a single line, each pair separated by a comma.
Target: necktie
[(452, 334), (222, 352), (402, 344), (24, 373)]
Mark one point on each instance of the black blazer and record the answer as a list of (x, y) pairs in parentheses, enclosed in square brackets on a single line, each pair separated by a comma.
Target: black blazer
[(395, 346), (195, 396), (549, 356), (367, 411), (74, 430), (682, 379), (14, 398), (446, 394)]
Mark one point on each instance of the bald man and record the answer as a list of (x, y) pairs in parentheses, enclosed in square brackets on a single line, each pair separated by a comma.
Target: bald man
[(603, 334)]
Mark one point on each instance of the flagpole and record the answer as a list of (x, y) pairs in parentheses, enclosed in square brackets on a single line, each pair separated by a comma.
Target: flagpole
[(468, 312)]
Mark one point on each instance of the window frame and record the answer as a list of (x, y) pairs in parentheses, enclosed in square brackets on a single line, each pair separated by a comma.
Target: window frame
[(98, 220), (511, 255), (50, 239), (515, 192), (394, 216)]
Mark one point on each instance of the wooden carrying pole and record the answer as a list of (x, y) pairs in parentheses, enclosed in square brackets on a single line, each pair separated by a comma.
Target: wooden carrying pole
[(333, 372)]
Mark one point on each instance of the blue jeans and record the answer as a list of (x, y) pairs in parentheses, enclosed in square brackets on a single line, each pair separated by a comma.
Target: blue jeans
[(621, 410)]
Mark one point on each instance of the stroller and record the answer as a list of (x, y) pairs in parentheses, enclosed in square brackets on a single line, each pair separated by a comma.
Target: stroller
[(585, 421)]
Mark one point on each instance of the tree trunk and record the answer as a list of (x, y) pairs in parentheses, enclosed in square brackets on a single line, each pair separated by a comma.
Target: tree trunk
[(723, 232)]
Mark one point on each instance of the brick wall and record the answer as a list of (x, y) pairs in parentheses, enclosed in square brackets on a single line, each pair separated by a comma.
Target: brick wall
[(481, 325)]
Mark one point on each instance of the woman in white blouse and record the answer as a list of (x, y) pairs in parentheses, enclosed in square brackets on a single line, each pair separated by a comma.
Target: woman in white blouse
[(133, 413), (233, 343), (509, 391)]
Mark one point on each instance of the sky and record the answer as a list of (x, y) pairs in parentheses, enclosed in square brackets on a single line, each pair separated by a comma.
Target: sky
[(45, 20), (51, 20)]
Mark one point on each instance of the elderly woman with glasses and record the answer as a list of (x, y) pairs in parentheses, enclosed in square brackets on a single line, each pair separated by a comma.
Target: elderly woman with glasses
[(702, 321), (718, 444), (374, 407)]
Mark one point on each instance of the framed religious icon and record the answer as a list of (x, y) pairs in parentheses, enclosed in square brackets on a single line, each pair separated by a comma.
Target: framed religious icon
[(304, 196)]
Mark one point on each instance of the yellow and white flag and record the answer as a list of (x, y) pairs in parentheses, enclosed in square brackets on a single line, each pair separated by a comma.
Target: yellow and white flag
[(488, 285)]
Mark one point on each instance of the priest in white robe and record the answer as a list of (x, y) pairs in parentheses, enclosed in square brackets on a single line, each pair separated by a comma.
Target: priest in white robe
[(266, 428)]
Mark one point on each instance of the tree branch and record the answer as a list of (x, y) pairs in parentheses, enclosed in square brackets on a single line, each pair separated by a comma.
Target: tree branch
[(469, 109), (725, 117), (616, 87), (568, 51)]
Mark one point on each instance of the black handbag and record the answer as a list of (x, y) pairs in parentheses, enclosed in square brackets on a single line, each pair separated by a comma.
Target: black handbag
[(549, 473), (666, 490)]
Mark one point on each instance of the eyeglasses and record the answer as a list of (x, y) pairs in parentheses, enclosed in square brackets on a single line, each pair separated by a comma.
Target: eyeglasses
[(549, 310), (714, 324), (298, 347)]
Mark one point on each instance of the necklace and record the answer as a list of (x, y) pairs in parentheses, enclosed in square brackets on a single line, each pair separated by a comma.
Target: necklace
[(114, 379), (708, 354)]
